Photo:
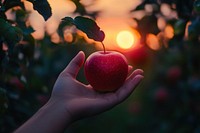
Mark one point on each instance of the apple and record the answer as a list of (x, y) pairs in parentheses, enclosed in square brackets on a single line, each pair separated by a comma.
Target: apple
[(161, 95), (106, 71)]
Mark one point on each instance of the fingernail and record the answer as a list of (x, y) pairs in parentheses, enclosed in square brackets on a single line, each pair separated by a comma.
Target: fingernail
[(130, 67), (139, 78)]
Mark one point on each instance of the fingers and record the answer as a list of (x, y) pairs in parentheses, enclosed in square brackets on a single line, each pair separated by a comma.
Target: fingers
[(130, 68), (130, 84), (136, 72), (74, 66)]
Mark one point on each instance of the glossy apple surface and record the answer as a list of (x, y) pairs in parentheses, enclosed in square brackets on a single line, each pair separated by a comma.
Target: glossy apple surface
[(107, 71)]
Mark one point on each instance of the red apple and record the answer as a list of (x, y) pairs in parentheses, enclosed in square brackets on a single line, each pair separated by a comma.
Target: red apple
[(174, 74), (161, 95), (106, 71)]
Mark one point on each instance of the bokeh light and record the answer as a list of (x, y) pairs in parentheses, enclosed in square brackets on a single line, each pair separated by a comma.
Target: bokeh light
[(169, 32), (165, 9), (153, 42)]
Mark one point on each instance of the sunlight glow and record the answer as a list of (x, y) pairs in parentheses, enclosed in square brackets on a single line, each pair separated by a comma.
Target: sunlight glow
[(169, 32), (153, 42), (125, 39)]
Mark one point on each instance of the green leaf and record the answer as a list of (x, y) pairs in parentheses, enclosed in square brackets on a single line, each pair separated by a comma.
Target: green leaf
[(28, 48), (21, 18), (80, 8), (9, 33), (179, 27), (4, 26), (8, 4), (197, 6), (28, 30), (13, 36), (89, 27), (43, 8), (148, 24), (84, 24), (67, 21)]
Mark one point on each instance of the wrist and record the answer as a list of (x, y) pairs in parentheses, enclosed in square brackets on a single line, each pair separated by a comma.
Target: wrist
[(51, 118), (58, 108)]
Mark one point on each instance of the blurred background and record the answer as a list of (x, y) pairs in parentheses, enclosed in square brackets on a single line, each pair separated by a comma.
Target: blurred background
[(162, 37)]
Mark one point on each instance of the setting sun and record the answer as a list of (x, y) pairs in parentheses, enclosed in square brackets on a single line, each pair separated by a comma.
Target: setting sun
[(125, 39)]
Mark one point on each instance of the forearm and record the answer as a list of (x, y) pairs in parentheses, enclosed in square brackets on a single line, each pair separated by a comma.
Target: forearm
[(51, 118)]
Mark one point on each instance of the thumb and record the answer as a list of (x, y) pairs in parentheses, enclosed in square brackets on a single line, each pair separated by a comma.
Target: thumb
[(74, 66)]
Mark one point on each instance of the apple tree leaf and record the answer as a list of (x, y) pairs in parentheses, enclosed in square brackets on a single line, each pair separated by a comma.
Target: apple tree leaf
[(43, 8), (197, 6), (8, 4), (67, 21), (10, 34), (179, 27), (80, 8), (87, 25), (193, 29)]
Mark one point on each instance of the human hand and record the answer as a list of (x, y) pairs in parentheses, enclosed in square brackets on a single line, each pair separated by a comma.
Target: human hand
[(80, 100), (72, 100)]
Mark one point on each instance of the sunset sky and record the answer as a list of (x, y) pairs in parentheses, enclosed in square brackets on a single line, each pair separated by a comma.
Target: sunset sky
[(114, 16)]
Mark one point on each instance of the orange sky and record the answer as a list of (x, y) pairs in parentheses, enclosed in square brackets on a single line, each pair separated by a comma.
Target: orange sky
[(62, 8), (114, 17)]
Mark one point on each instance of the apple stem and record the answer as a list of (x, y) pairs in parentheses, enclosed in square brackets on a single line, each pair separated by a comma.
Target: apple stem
[(104, 49)]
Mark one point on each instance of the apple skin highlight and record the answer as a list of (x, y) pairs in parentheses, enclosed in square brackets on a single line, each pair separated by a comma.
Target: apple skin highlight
[(106, 71)]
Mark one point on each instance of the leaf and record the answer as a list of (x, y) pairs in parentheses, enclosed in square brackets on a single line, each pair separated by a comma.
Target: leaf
[(179, 27), (43, 8), (28, 30), (28, 47), (13, 35), (197, 6), (21, 18), (89, 27), (193, 29), (67, 21), (84, 24), (148, 24), (184, 8), (10, 34), (79, 7), (4, 26), (8, 4)]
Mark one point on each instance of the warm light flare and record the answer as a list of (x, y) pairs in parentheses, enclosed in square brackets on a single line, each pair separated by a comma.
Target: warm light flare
[(125, 39), (169, 32), (153, 42)]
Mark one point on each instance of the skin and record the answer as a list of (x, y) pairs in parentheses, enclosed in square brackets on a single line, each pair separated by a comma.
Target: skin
[(72, 100)]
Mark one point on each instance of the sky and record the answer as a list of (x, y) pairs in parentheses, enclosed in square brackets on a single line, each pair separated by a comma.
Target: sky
[(62, 8), (114, 16)]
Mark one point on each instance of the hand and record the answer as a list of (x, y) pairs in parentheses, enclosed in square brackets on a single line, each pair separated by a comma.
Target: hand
[(82, 100), (72, 100)]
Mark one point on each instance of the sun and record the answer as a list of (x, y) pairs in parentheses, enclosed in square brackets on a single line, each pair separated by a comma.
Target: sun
[(125, 39)]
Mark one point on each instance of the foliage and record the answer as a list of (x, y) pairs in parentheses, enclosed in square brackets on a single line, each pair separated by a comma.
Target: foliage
[(168, 99), (86, 25)]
